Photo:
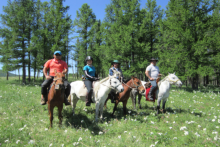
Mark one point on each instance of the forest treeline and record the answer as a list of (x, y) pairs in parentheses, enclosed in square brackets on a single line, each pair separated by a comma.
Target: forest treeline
[(184, 37)]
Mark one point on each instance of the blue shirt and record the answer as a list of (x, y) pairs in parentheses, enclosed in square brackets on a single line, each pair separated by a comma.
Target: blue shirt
[(117, 69), (90, 70)]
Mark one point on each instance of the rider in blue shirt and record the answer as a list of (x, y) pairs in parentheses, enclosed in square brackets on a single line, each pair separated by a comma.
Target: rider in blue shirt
[(115, 68), (90, 76)]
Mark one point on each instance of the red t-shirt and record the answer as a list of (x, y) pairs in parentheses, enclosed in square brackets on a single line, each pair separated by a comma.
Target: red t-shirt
[(59, 65)]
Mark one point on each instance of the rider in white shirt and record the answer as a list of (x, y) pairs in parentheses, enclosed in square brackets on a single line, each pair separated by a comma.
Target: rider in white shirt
[(152, 72)]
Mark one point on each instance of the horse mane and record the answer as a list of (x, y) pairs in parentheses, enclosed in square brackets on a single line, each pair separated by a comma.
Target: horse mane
[(161, 81), (96, 88), (127, 80)]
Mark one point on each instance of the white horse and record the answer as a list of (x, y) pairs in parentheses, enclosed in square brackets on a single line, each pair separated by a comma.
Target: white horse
[(162, 93), (164, 89), (100, 92)]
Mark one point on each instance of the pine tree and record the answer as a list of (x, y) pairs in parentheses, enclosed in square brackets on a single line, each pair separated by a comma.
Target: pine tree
[(84, 22)]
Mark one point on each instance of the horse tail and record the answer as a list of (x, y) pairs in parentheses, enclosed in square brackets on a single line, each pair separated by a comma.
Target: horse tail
[(69, 98)]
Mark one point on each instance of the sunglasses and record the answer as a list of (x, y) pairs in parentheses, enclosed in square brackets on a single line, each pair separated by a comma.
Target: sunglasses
[(57, 54)]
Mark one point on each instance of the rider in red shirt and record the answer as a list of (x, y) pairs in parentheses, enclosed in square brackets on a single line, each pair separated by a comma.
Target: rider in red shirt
[(60, 66)]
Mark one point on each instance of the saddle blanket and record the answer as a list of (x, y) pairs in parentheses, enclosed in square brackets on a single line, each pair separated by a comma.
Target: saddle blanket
[(147, 92)]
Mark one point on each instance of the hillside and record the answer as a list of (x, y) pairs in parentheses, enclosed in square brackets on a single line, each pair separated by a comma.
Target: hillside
[(3, 74)]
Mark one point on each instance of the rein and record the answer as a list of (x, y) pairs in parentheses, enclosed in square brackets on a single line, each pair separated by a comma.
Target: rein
[(111, 87), (54, 83)]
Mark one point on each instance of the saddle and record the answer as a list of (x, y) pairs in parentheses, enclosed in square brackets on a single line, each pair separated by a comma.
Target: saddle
[(147, 88)]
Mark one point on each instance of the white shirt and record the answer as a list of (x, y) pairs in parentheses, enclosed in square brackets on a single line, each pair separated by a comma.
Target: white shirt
[(153, 71)]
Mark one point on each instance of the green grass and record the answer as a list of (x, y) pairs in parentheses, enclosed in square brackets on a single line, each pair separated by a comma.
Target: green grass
[(24, 122)]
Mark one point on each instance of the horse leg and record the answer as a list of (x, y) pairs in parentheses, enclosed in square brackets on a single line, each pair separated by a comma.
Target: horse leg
[(158, 104), (106, 101), (133, 99), (124, 106), (50, 108), (164, 102), (115, 107), (139, 100), (97, 111), (74, 100), (101, 110), (60, 108)]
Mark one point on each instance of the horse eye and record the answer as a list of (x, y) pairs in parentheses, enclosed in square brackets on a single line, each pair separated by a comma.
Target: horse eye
[(138, 83), (115, 82)]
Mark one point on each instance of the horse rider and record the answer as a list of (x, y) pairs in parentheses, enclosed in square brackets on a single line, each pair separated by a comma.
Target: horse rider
[(115, 69), (152, 72), (60, 66), (90, 76)]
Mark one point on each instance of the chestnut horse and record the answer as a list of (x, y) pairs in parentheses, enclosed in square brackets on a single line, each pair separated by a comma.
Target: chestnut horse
[(123, 97), (56, 96)]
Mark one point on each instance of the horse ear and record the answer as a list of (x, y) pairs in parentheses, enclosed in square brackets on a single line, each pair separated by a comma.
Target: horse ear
[(174, 73), (55, 71), (168, 73)]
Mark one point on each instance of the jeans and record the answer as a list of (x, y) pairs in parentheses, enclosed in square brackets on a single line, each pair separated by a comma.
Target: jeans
[(46, 84), (154, 85)]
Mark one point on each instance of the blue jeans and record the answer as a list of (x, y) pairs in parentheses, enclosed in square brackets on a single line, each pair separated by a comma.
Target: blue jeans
[(154, 85)]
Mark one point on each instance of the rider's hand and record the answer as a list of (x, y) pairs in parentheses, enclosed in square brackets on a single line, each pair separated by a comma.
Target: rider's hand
[(151, 79), (48, 77), (96, 78)]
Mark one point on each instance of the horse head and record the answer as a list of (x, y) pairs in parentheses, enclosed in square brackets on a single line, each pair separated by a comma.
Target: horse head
[(59, 80), (136, 83), (116, 84), (173, 79)]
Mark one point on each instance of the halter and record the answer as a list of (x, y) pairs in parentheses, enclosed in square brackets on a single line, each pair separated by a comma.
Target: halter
[(54, 83), (173, 80), (111, 87)]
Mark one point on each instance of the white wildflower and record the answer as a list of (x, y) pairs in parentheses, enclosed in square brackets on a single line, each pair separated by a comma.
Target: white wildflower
[(80, 138), (86, 130), (175, 138), (160, 133), (152, 145), (197, 134), (98, 141), (214, 132), (125, 131), (65, 131), (218, 120), (46, 129), (82, 121), (134, 136), (50, 144), (217, 127), (31, 142), (7, 140), (20, 129), (62, 145), (183, 128), (151, 133), (204, 129), (174, 122), (170, 127), (119, 136), (75, 143), (100, 133), (152, 122), (186, 132), (129, 112), (213, 120), (17, 141), (199, 126)]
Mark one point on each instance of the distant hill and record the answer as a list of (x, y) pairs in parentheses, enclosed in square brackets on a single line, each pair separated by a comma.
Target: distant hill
[(3, 74)]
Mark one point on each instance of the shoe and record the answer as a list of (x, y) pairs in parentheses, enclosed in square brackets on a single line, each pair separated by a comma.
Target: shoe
[(43, 101), (66, 101)]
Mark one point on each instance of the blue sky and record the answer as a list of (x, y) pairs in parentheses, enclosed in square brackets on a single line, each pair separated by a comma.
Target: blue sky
[(98, 7)]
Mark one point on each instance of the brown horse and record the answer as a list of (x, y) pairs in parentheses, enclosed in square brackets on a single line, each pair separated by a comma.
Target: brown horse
[(123, 97), (56, 96)]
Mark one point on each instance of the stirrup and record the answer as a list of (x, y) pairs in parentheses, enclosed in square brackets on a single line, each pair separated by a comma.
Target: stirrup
[(88, 103)]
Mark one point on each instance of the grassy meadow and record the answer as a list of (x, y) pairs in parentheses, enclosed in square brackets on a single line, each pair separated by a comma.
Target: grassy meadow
[(192, 119)]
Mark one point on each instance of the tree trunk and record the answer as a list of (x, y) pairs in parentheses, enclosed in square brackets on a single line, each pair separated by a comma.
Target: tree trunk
[(23, 63), (207, 80), (7, 75), (195, 81)]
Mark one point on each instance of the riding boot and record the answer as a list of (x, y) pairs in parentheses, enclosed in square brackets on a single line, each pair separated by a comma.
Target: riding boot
[(150, 95), (66, 100), (44, 100), (112, 98), (88, 101)]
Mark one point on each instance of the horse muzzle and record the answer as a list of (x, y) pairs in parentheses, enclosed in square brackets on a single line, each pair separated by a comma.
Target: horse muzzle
[(59, 87)]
